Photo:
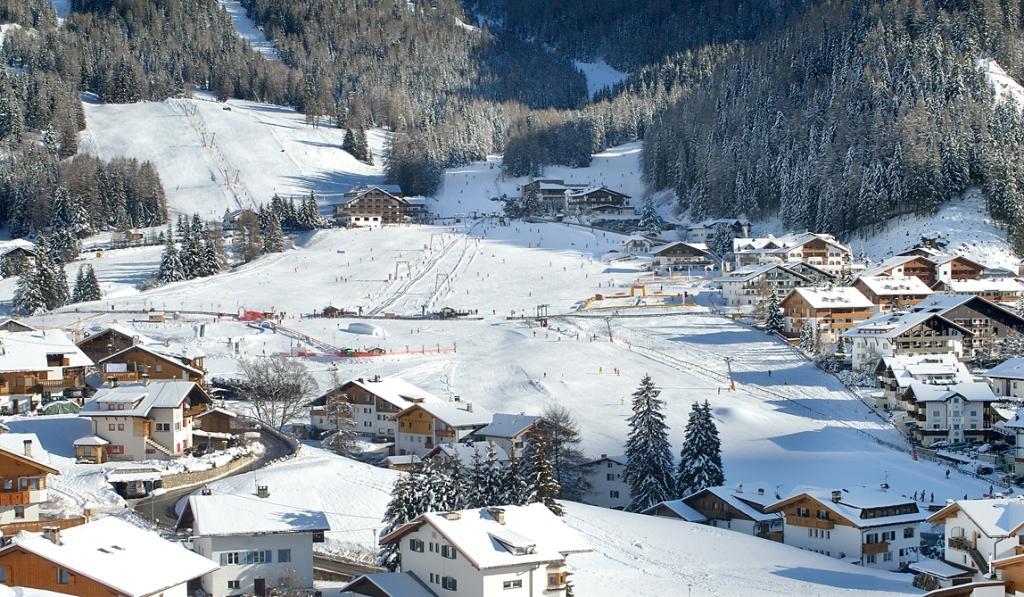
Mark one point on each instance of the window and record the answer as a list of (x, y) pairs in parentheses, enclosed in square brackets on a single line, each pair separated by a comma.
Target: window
[(556, 580), (613, 494), (284, 556), (887, 556), (234, 584), (610, 476), (8, 484), (177, 426), (447, 551), (888, 535), (512, 584), (871, 538), (19, 511), (870, 559), (229, 557), (120, 426), (448, 583), (416, 545), (908, 533), (258, 557), (111, 427), (63, 577), (163, 426), (3, 575)]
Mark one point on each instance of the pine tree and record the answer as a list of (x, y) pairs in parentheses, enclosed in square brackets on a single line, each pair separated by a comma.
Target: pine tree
[(402, 508), (64, 246), (809, 336), (515, 490), (648, 452), (50, 276), (28, 296), (700, 460), (87, 287), (543, 487), (361, 148), (650, 221), (773, 315), (273, 238), (171, 269)]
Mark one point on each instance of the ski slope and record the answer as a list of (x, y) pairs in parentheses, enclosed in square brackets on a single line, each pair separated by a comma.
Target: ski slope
[(215, 156), (248, 30), (600, 75)]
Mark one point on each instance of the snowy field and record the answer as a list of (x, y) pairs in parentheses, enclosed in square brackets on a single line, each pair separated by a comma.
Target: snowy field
[(600, 75)]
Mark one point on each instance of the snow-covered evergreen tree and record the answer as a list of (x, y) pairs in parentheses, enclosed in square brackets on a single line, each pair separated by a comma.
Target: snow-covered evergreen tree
[(171, 269), (809, 336), (700, 460), (648, 451), (87, 287), (402, 508), (650, 222), (773, 315), (273, 237), (28, 296), (515, 490), (720, 240), (543, 486), (50, 276), (64, 245)]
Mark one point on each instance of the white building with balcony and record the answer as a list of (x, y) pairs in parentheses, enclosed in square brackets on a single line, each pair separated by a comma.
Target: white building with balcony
[(24, 471), (513, 550), (979, 532)]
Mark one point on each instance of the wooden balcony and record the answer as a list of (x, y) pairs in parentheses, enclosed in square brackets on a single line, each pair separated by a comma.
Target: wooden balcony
[(36, 526), (807, 521), (873, 549), (960, 543), (15, 498)]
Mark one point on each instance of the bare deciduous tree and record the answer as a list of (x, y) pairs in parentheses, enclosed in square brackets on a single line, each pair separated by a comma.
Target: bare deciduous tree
[(277, 387)]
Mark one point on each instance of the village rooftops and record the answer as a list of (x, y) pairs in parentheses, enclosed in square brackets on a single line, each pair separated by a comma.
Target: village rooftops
[(996, 518), (843, 297), (983, 285), (230, 514), (138, 399), (700, 247), (508, 425), (1017, 422), (118, 555), (502, 537), (746, 274), (892, 325), (451, 415), (393, 390), (888, 286), (117, 328), (572, 192), (889, 263), (943, 259), (29, 351), (942, 303), (751, 504), (975, 391), (1009, 369), (861, 506), (772, 244), (921, 365), (172, 355)]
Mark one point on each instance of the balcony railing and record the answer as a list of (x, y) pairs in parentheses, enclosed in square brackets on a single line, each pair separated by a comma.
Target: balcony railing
[(15, 498), (807, 521), (873, 549), (960, 543)]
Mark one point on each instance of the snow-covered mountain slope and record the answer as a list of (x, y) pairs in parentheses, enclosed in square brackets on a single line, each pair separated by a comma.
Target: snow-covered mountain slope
[(1003, 84), (963, 226), (644, 555), (599, 75), (216, 156), (248, 30)]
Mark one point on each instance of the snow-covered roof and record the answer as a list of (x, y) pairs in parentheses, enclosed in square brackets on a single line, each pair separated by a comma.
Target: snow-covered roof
[(943, 259), (665, 247), (742, 502), (982, 285), (530, 535), (137, 399), (118, 555), (1008, 369), (15, 444), (591, 189), (618, 459), (19, 326), (391, 584), (158, 350), (508, 425), (400, 459), (91, 440), (928, 251), (975, 391), (887, 264), (117, 328), (931, 368), (995, 518), (891, 325), (888, 286), (746, 274), (464, 452), (842, 297), (454, 417), (854, 502), (720, 221), (26, 351), (232, 514), (393, 390), (218, 410), (939, 568), (679, 508), (168, 349)]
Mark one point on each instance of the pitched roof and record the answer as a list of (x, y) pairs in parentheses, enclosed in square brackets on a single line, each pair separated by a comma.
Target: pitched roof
[(618, 459), (985, 285), (1008, 369), (887, 264), (393, 390), (454, 417), (842, 297), (26, 351), (117, 328), (746, 274), (140, 398), (741, 502), (218, 410), (679, 508), (154, 351), (530, 535), (853, 503), (996, 517), (464, 453), (593, 189), (13, 445), (230, 514), (392, 584), (891, 325), (119, 555), (933, 368), (508, 426), (975, 391), (888, 286)]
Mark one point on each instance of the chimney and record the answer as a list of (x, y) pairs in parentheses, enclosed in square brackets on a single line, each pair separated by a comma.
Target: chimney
[(760, 491), (498, 514), (112, 381), (739, 488), (452, 515), (262, 491), (206, 490), (883, 487), (53, 534), (28, 447), (837, 495), (145, 379), (469, 407), (603, 456)]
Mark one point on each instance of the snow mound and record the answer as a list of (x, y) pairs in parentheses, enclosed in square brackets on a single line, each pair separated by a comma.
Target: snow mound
[(366, 329)]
